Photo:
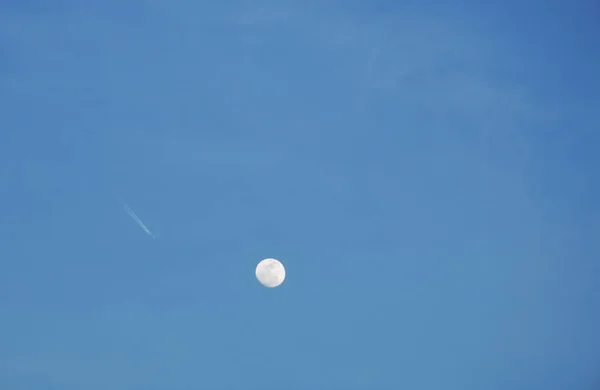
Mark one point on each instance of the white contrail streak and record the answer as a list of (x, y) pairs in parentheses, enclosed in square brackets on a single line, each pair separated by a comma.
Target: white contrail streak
[(136, 219)]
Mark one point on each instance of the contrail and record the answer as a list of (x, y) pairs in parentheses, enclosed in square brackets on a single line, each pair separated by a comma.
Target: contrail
[(136, 219)]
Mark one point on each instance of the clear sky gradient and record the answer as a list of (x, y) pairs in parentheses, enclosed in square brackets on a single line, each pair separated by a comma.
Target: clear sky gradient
[(427, 172)]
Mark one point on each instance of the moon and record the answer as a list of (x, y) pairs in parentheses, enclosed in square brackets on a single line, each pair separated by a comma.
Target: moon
[(270, 272)]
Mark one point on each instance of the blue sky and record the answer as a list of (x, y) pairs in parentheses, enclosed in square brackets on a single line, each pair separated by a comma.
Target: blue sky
[(427, 173)]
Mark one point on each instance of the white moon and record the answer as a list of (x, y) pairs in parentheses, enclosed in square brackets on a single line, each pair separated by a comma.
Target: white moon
[(270, 273)]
